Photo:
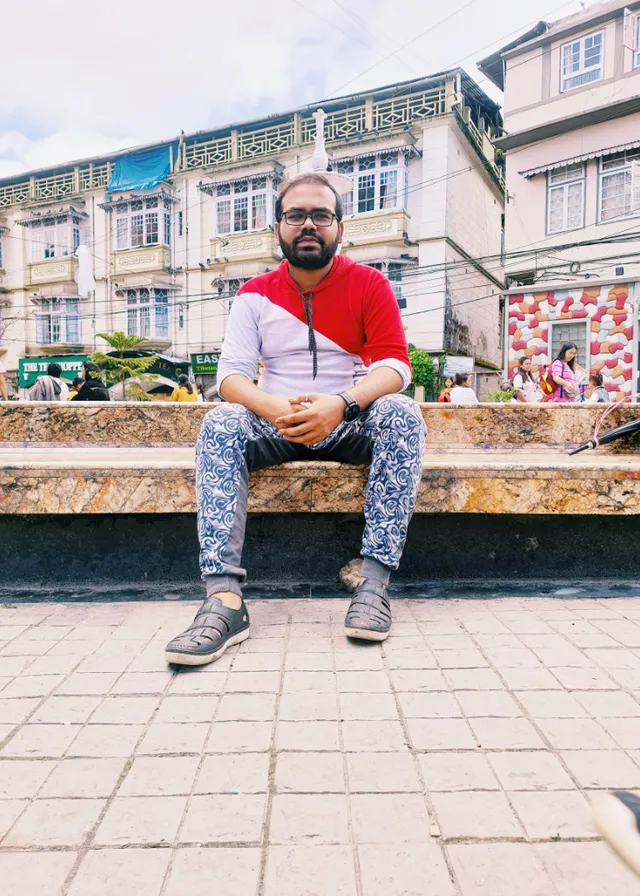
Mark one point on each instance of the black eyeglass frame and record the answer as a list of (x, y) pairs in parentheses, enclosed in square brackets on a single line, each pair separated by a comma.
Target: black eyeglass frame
[(311, 214)]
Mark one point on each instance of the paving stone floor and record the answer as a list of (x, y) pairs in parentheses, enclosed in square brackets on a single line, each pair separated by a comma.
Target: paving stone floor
[(457, 758)]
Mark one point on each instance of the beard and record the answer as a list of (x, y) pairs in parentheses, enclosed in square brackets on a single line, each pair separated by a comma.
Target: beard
[(309, 258)]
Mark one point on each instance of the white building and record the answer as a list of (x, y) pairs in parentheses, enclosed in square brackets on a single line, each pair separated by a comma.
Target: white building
[(426, 209), (572, 144)]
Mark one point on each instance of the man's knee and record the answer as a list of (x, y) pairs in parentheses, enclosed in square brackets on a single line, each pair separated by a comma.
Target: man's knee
[(226, 419), (397, 410)]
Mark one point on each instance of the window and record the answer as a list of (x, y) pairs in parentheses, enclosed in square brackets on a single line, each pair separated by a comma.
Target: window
[(394, 273), (148, 313), (244, 205), (620, 186), (55, 237), (179, 223), (565, 198), (58, 322), (379, 182), (636, 42), (581, 61), (571, 331), (141, 222)]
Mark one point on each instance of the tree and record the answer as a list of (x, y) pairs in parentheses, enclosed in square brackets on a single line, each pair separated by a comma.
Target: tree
[(119, 368), (423, 372)]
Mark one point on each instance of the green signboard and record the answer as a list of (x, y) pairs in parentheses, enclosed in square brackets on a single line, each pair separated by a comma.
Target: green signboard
[(205, 362), (29, 369)]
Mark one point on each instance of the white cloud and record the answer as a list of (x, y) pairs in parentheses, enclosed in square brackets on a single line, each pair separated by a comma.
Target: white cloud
[(95, 78)]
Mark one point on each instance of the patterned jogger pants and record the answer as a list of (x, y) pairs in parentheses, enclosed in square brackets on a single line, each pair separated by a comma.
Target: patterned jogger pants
[(233, 442)]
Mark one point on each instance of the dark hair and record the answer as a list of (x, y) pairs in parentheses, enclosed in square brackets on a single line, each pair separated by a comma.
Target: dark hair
[(183, 380), (54, 369), (461, 378), (562, 354), (92, 371), (525, 374), (312, 177), (78, 381), (597, 379)]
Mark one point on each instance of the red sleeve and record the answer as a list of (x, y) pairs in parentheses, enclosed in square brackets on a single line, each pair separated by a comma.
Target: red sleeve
[(385, 340)]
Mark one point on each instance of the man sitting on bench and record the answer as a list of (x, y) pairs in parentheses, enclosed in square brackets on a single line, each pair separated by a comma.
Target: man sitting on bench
[(329, 336)]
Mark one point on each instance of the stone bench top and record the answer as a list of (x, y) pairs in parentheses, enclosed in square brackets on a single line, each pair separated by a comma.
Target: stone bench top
[(143, 480)]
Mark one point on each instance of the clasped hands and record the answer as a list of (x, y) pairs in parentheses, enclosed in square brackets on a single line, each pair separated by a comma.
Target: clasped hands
[(308, 419)]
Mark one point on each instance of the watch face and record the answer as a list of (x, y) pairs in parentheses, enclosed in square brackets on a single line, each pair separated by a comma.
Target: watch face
[(351, 412)]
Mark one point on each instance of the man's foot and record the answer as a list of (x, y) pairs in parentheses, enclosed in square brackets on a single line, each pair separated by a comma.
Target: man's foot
[(214, 628), (617, 817), (369, 613)]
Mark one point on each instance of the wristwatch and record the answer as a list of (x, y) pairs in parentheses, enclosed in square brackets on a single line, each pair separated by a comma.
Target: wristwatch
[(352, 409)]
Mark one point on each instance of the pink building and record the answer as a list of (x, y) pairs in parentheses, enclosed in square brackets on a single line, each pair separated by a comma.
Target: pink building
[(572, 217)]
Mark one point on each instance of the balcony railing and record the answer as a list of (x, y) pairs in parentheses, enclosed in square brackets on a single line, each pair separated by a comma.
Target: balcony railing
[(370, 116)]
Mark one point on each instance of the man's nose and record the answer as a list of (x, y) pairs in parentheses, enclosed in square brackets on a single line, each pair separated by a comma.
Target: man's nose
[(308, 223)]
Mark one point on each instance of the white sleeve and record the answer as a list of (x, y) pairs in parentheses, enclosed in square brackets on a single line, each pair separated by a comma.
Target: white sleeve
[(242, 344), (518, 382)]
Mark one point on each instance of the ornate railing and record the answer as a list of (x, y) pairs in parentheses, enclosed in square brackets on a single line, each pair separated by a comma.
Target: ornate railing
[(242, 145)]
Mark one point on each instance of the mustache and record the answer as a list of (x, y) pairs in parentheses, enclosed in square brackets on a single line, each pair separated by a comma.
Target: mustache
[(308, 236)]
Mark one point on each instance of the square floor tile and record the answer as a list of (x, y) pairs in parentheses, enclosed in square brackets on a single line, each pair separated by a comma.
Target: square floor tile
[(472, 680), (603, 768), (551, 705), (529, 679), (234, 773), (516, 734), (389, 817), (15, 711), (160, 776), (125, 710), (429, 706), (41, 741), (450, 772), (499, 869), (88, 778), (475, 814), (297, 682), (66, 710), (173, 737), (309, 870), (440, 734), (609, 704), (309, 818), (263, 681), (106, 741), (530, 771), (576, 734), (312, 736), (9, 812), (224, 819), (235, 871), (232, 737), (497, 704), (106, 872), (577, 869), (382, 773), (373, 737), (186, 709), (141, 819), (246, 707), (368, 707), (409, 869), (55, 822), (309, 773), (21, 876), (312, 707), (556, 815), (23, 778)]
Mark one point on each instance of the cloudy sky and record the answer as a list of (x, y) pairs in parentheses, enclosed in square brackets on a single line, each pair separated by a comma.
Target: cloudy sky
[(82, 78)]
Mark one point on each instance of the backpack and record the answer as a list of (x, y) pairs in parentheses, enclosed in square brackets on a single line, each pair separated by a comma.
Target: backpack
[(545, 382)]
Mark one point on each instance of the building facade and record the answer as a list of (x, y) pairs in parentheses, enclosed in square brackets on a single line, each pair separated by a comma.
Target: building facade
[(572, 146), (168, 252)]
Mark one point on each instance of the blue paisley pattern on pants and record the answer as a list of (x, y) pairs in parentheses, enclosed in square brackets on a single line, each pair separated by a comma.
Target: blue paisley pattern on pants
[(397, 433)]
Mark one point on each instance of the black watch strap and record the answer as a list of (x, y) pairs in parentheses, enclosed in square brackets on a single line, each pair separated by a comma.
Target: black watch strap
[(352, 408)]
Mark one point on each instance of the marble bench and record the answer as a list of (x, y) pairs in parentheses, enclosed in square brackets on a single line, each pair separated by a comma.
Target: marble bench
[(137, 458)]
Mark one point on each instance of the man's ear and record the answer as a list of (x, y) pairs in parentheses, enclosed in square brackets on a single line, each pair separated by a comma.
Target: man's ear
[(340, 231), (276, 230)]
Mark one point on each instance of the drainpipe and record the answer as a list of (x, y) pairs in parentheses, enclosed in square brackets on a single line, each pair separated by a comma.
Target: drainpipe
[(187, 262)]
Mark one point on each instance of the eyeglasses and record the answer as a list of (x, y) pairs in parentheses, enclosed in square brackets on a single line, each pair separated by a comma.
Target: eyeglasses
[(296, 217)]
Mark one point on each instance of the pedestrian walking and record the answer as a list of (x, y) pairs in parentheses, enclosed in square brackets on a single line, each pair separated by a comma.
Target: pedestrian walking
[(50, 386), (184, 391), (309, 318), (93, 388), (462, 393), (524, 382), (563, 374)]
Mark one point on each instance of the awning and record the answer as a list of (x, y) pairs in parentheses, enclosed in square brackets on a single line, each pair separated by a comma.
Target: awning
[(597, 153), (142, 170)]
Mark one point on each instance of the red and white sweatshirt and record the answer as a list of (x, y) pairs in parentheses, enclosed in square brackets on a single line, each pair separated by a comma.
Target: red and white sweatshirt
[(356, 326)]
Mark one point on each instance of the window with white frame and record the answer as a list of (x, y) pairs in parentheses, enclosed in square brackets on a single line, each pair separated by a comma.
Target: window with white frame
[(58, 321), (55, 237), (143, 222), (565, 198), (576, 331), (147, 312), (244, 205), (581, 61), (380, 182), (620, 186)]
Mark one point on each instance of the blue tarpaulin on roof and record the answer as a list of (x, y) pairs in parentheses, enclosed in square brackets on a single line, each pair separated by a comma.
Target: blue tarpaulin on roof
[(142, 170)]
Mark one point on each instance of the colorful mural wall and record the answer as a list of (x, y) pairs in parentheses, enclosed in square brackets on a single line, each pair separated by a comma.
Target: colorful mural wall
[(609, 310)]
